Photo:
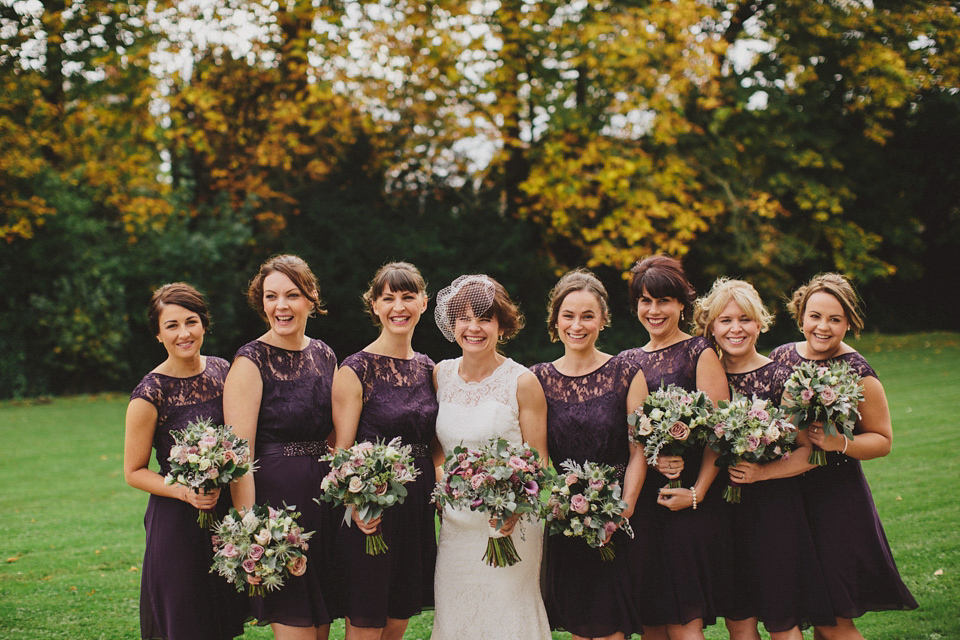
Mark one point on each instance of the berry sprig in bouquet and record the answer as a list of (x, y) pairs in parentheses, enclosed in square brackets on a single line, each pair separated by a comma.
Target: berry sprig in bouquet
[(369, 477), (748, 429), (669, 420), (827, 393), (206, 456), (500, 479), (262, 543), (585, 502)]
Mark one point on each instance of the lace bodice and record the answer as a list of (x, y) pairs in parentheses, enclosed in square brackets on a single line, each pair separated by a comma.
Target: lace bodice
[(767, 382), (472, 413), (788, 355), (295, 405), (586, 415), (398, 397), (676, 364), (182, 400)]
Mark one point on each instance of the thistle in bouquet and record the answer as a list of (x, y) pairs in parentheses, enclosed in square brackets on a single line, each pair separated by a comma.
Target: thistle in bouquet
[(669, 420), (585, 502), (500, 479), (829, 393), (751, 430), (260, 542), (369, 478), (205, 457)]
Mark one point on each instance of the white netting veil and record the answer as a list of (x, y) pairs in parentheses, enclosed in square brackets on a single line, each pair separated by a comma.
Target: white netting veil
[(467, 293)]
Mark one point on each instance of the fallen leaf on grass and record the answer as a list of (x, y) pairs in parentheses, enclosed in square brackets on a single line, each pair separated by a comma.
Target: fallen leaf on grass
[(899, 498), (14, 558), (938, 572), (133, 569)]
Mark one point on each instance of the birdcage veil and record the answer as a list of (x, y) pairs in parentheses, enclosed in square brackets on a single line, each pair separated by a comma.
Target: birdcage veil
[(467, 293)]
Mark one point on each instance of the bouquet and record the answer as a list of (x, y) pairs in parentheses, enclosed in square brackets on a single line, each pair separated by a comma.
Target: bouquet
[(669, 421), (749, 429), (824, 392), (205, 456), (262, 542), (500, 479), (585, 503), (369, 477)]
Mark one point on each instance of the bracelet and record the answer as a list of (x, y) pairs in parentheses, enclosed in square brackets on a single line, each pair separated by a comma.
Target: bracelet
[(693, 491), (846, 441)]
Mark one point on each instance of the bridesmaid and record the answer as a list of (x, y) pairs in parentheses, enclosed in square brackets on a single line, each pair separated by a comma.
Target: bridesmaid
[(277, 395), (179, 597), (855, 557), (784, 588), (382, 392), (588, 393), (683, 534)]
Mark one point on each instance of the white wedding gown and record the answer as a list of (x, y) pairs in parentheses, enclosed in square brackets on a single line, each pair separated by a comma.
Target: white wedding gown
[(474, 600)]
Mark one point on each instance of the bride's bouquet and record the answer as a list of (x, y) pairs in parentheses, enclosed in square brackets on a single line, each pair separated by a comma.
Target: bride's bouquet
[(669, 420), (369, 477), (824, 392), (748, 429), (585, 502), (261, 543), (500, 479), (206, 456)]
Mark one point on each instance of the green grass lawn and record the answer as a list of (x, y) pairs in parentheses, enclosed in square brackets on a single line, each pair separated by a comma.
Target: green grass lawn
[(71, 532)]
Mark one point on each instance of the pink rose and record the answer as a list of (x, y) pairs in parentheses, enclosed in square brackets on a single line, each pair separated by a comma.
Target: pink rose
[(249, 565), (231, 456), (298, 566), (571, 478), (256, 552), (467, 473), (596, 483), (229, 551), (381, 489), (718, 429), (828, 396), (477, 480), (679, 431), (273, 513), (807, 395), (516, 462), (579, 504), (752, 443), (365, 447)]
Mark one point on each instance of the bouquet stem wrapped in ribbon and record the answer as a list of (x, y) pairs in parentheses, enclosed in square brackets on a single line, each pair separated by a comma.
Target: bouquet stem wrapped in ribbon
[(748, 429), (500, 479), (669, 420), (585, 502), (263, 543), (822, 392), (206, 456), (369, 477)]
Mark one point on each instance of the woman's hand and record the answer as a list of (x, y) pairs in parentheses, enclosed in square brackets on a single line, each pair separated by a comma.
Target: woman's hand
[(746, 472), (508, 525), (368, 527), (819, 438), (204, 501), (675, 499), (670, 466)]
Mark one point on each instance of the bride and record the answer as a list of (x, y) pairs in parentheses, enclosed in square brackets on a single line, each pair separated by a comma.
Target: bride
[(483, 395)]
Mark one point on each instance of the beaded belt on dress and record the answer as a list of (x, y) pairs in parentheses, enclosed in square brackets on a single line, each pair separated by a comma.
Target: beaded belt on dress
[(420, 450), (293, 449)]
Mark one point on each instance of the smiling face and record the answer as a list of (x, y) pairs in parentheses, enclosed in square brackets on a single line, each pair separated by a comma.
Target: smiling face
[(824, 325), (735, 331), (580, 320), (399, 312), (476, 335), (181, 332), (659, 316), (285, 306)]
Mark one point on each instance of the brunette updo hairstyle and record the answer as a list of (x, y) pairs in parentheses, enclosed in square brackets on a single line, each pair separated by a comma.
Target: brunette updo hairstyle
[(295, 268), (181, 294), (508, 315), (576, 280), (707, 308), (837, 286), (662, 277), (400, 277)]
